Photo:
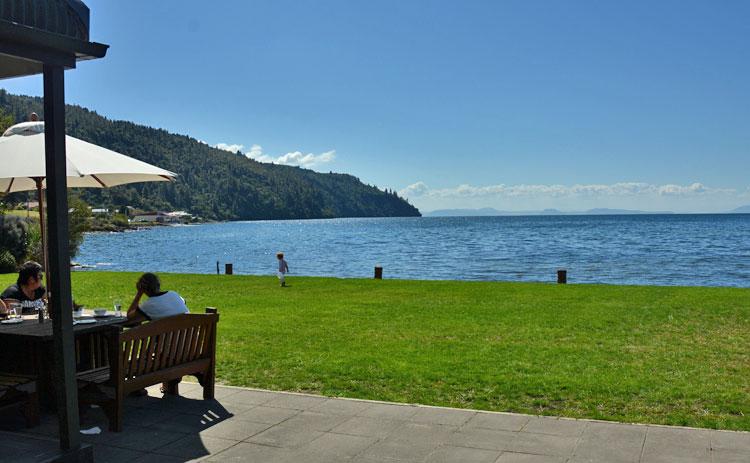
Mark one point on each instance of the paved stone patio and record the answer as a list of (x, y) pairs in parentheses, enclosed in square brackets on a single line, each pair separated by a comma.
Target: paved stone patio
[(247, 425)]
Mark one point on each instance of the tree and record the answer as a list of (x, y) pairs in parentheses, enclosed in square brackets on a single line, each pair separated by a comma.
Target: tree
[(6, 120), (14, 236), (79, 218)]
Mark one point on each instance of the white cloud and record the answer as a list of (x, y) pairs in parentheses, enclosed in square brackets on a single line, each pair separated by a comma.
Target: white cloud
[(691, 197), (415, 189), (256, 152), (564, 191), (294, 158), (297, 158), (232, 148)]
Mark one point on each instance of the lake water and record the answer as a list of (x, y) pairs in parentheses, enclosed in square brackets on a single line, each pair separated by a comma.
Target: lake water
[(710, 250)]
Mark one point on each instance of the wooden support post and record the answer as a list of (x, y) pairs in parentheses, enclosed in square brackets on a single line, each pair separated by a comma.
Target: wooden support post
[(562, 276), (228, 269), (378, 273), (59, 259), (217, 267)]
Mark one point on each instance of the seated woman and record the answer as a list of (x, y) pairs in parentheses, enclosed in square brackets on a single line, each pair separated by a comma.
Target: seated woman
[(28, 287), (160, 304)]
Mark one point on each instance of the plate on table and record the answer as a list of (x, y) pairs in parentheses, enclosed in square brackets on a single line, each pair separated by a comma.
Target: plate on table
[(84, 321), (12, 321)]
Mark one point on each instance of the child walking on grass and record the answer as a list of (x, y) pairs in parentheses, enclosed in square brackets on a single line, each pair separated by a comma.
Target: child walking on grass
[(283, 268)]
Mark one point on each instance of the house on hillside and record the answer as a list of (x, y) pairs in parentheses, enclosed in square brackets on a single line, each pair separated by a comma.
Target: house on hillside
[(154, 216), (163, 217)]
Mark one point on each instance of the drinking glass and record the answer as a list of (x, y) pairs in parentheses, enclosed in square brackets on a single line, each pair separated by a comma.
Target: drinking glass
[(118, 307), (14, 310)]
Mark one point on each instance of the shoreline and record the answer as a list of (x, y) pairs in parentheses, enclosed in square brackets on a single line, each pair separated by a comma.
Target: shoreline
[(88, 268)]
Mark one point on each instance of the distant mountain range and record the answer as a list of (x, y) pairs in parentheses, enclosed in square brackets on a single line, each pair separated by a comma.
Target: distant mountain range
[(742, 210), (488, 211)]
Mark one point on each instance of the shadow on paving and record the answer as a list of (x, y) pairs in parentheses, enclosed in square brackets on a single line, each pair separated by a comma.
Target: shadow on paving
[(250, 425), (155, 428)]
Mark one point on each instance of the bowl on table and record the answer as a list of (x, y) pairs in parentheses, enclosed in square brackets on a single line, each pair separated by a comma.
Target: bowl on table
[(100, 312)]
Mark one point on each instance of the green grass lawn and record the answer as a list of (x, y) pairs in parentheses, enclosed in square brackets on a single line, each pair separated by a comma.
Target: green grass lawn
[(678, 356), (23, 213)]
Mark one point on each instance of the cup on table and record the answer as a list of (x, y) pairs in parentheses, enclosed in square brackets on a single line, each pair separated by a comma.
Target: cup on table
[(118, 307), (14, 310)]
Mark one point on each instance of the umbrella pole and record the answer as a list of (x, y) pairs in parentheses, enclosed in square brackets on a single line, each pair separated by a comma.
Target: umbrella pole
[(42, 228)]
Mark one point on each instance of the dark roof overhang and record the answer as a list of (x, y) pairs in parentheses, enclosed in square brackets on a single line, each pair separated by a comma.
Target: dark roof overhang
[(55, 33)]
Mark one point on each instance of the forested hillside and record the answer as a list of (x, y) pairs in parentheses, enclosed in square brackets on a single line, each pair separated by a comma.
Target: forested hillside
[(213, 183)]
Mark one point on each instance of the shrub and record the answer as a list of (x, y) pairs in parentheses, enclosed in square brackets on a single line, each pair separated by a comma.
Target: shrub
[(14, 236), (7, 262)]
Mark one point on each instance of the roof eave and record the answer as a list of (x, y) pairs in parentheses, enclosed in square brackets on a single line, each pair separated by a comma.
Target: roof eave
[(23, 49)]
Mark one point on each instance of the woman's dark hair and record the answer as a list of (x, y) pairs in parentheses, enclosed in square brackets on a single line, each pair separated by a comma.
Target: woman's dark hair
[(149, 284), (28, 270)]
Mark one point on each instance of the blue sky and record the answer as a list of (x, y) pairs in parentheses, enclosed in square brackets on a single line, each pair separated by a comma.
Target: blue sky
[(515, 105)]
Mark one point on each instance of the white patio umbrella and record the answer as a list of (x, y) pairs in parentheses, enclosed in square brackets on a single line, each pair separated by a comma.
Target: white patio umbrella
[(23, 166)]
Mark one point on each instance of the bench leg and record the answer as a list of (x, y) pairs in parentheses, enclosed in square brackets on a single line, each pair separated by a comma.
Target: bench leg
[(31, 410), (114, 412), (207, 381), (172, 387)]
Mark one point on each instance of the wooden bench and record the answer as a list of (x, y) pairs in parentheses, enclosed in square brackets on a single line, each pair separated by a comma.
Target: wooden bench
[(161, 351), (16, 388)]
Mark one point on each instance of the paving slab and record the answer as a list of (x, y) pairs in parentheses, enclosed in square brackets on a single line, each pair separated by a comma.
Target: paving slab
[(511, 457), (368, 427), (265, 426), (498, 421), (339, 445), (665, 444), (736, 441), (308, 420), (342, 407), (295, 401), (270, 415), (480, 438), (194, 447), (447, 416), (285, 436), (555, 426), (544, 444), (253, 453), (614, 443), (449, 454)]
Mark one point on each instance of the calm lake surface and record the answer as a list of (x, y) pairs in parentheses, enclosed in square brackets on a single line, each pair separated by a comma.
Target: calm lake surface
[(695, 250)]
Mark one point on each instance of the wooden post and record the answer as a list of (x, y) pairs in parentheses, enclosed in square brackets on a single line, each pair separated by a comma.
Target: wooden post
[(64, 366), (562, 276), (378, 272), (228, 269), (42, 228), (217, 267)]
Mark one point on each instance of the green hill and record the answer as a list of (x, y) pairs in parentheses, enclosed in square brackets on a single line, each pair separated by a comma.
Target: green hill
[(213, 183)]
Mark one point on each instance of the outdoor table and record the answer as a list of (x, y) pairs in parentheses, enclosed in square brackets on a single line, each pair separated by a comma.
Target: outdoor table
[(27, 348)]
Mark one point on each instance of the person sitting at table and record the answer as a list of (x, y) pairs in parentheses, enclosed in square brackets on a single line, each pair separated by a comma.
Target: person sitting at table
[(160, 304), (28, 287)]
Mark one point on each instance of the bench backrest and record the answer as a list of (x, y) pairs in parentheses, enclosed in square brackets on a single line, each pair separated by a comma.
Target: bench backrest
[(166, 343)]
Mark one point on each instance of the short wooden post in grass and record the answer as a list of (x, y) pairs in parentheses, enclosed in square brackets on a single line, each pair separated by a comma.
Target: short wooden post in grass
[(378, 272), (217, 267), (228, 269), (562, 276)]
